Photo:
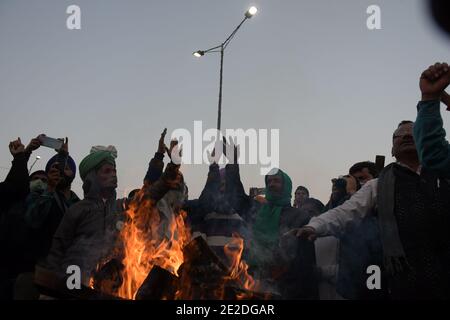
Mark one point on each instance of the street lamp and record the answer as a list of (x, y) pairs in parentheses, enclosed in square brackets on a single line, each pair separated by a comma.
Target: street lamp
[(35, 160), (221, 48), (251, 12)]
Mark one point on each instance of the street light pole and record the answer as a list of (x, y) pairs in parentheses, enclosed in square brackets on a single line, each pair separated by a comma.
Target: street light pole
[(37, 158), (221, 48), (219, 112)]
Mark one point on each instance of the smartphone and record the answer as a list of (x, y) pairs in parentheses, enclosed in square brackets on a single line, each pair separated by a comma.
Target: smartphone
[(379, 162), (51, 142)]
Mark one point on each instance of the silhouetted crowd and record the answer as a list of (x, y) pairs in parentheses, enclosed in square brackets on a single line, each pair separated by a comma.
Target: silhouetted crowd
[(384, 233)]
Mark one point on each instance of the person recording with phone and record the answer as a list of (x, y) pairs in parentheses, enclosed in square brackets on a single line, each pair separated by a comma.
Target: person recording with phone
[(44, 211)]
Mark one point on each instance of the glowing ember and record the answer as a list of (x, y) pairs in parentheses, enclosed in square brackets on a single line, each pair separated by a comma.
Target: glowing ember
[(91, 282)]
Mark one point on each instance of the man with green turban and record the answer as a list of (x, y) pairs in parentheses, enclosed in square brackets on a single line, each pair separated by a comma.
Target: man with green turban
[(88, 232), (97, 156)]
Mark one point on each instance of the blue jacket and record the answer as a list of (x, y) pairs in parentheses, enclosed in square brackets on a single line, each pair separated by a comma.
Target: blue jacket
[(429, 135)]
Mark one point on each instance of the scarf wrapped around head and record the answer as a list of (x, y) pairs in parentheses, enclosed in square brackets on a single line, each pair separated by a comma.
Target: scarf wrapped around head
[(55, 158), (97, 156), (266, 227)]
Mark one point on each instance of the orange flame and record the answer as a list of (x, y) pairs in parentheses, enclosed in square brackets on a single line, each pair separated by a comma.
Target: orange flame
[(239, 268), (146, 245), (91, 282), (147, 241)]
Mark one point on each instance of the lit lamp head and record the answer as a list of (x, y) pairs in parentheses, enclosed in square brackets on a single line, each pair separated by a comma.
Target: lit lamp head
[(198, 53), (251, 12)]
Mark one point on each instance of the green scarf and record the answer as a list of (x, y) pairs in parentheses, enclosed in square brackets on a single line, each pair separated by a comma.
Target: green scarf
[(267, 223)]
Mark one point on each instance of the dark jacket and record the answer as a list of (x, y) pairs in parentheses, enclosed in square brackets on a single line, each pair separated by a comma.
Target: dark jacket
[(43, 215), (214, 216), (13, 233), (16, 185), (86, 235), (429, 136), (413, 215), (155, 168)]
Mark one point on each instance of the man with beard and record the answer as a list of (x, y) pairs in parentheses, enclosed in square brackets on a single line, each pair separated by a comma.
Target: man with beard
[(290, 264), (411, 205)]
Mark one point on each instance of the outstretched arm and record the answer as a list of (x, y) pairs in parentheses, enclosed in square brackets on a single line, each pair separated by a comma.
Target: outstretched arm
[(16, 184), (170, 179), (429, 134), (335, 221), (234, 188), (156, 165)]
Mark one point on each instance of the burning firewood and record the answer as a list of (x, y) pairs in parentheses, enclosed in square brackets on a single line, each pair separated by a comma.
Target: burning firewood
[(204, 276), (160, 284), (198, 252), (202, 272), (108, 278)]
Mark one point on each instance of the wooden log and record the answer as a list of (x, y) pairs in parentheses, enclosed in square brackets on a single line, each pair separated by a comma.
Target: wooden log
[(108, 278), (160, 284), (197, 252)]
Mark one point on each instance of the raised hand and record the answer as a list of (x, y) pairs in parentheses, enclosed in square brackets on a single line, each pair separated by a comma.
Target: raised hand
[(231, 150), (161, 145), (65, 147), (434, 80), (16, 147), (175, 152), (213, 157), (34, 144), (307, 233)]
